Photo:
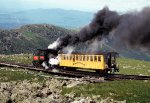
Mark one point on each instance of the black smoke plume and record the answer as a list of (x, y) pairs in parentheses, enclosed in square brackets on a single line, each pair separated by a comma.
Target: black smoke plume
[(132, 28)]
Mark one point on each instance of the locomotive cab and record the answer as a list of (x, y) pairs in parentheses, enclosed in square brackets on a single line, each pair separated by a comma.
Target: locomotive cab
[(111, 63)]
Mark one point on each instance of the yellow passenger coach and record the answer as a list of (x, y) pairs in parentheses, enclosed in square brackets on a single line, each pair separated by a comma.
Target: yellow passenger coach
[(97, 62)]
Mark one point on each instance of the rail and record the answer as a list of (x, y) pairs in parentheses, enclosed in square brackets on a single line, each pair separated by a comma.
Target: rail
[(78, 75)]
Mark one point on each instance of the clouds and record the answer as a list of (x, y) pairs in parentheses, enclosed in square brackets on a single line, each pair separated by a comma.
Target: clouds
[(84, 5)]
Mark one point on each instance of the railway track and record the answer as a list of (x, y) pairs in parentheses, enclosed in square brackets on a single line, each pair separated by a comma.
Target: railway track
[(78, 75)]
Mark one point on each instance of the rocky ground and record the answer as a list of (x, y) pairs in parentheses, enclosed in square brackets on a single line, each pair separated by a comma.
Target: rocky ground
[(48, 91)]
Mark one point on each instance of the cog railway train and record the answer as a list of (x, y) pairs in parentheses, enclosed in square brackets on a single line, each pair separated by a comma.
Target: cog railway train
[(102, 62)]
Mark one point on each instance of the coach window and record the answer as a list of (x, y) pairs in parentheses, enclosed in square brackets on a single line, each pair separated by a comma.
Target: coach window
[(76, 57), (70, 57), (67, 57), (73, 58), (99, 58), (87, 58), (80, 58), (83, 57), (91, 58), (95, 58), (62, 57)]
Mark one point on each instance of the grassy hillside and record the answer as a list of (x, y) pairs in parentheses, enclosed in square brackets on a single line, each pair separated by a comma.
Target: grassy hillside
[(132, 66), (14, 74), (129, 91), (30, 37)]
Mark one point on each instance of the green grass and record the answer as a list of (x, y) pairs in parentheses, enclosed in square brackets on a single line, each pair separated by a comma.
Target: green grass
[(15, 74), (132, 66), (30, 34), (17, 58), (132, 91)]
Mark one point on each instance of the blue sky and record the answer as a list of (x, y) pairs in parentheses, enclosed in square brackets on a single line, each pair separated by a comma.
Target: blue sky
[(83, 5)]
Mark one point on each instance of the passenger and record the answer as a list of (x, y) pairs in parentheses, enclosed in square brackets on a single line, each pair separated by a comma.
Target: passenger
[(113, 67)]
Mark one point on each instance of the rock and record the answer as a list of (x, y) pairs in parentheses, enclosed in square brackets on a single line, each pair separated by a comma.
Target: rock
[(48, 91), (45, 91), (96, 98), (107, 100), (110, 100), (83, 100), (73, 83), (70, 95), (4, 98)]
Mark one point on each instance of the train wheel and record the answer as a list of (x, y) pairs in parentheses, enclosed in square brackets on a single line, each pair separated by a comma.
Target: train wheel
[(74, 69), (101, 72), (35, 64), (70, 69)]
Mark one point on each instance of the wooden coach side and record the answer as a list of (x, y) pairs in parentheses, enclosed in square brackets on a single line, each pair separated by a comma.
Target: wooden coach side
[(82, 61)]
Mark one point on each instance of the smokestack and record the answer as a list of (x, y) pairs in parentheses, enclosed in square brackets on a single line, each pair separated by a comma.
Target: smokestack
[(132, 29)]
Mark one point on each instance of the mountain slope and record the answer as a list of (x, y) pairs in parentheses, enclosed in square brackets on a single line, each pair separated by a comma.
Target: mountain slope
[(28, 38)]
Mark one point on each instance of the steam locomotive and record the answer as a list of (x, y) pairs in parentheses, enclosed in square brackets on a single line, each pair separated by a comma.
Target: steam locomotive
[(102, 62)]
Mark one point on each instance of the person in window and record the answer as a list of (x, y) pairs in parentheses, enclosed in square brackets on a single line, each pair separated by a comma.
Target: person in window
[(113, 67)]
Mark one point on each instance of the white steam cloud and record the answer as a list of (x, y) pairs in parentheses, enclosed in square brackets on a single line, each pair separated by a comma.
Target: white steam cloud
[(96, 45), (54, 61), (54, 45), (68, 49)]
